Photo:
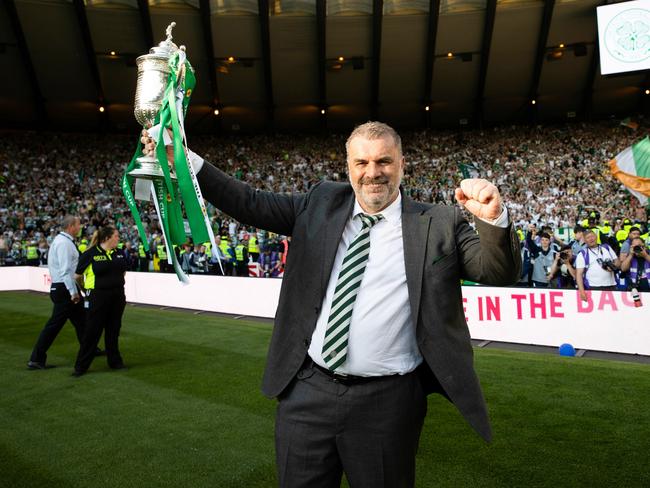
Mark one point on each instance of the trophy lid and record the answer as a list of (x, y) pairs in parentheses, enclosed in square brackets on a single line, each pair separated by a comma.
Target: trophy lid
[(166, 48)]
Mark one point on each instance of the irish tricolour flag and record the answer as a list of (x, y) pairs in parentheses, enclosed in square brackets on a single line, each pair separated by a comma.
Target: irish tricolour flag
[(632, 168)]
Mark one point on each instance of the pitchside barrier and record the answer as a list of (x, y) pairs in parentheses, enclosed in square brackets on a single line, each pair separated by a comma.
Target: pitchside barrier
[(609, 321)]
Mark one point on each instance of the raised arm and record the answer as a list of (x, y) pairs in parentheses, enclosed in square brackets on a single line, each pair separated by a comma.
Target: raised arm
[(275, 212)]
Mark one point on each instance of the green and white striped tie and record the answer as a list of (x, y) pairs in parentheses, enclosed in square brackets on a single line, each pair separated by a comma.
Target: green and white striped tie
[(335, 345)]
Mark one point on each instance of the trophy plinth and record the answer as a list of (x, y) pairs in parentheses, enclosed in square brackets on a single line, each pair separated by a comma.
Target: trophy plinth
[(153, 74)]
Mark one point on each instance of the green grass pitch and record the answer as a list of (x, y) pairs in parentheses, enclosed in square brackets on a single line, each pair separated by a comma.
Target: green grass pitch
[(189, 412)]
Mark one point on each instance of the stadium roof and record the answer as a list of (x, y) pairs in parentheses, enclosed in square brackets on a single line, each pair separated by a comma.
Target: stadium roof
[(279, 63)]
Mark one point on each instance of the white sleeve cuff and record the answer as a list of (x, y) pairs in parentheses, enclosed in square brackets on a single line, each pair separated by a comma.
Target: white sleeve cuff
[(501, 220), (195, 160)]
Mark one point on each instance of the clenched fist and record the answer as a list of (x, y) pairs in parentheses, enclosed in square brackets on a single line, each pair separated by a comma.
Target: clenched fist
[(480, 197)]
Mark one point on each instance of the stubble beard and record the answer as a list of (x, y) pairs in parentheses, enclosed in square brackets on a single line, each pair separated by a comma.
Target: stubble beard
[(375, 201)]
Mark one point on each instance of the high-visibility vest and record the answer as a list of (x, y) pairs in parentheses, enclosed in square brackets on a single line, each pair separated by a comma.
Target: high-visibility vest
[(606, 229), (208, 249), (83, 245), (239, 252), (141, 252), (521, 235), (252, 245), (32, 252), (621, 235), (224, 246), (162, 254)]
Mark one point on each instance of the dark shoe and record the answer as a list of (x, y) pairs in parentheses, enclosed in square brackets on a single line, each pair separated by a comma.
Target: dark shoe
[(100, 352), (34, 365), (77, 373)]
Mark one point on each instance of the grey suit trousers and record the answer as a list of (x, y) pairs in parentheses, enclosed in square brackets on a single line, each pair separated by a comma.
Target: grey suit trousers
[(369, 430)]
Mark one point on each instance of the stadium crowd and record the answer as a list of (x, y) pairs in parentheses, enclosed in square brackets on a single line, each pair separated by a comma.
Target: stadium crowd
[(552, 178)]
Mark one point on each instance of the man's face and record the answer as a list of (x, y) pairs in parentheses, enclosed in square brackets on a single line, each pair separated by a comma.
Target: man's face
[(590, 239), (634, 234), (75, 228), (545, 241), (375, 169)]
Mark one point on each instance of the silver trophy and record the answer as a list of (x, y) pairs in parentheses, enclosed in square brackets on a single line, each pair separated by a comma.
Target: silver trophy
[(153, 73)]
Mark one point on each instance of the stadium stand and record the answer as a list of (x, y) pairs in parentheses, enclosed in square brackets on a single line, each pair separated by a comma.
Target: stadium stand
[(548, 175)]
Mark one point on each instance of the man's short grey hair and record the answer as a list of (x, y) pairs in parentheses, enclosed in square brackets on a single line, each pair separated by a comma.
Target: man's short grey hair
[(375, 130), (69, 220)]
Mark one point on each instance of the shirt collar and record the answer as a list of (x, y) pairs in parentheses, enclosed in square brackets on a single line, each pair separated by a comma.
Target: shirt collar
[(67, 235), (392, 213)]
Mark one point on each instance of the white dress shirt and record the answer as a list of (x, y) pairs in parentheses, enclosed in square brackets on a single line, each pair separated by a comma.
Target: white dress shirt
[(382, 334), (62, 261)]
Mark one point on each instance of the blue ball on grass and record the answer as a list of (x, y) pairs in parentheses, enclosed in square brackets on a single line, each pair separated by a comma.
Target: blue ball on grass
[(567, 350)]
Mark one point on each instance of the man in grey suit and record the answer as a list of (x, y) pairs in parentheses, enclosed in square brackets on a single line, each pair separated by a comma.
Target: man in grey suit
[(370, 318)]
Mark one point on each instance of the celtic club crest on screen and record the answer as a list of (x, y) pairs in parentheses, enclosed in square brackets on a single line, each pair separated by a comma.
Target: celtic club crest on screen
[(627, 36)]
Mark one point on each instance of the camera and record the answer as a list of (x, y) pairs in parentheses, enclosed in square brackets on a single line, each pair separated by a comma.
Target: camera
[(607, 265), (564, 255), (637, 249)]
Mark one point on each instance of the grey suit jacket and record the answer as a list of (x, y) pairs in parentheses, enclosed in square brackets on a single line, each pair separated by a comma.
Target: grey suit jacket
[(440, 248)]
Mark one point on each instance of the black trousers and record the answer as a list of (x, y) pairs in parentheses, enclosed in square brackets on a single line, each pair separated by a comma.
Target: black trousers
[(104, 313), (62, 311), (369, 430), (242, 268)]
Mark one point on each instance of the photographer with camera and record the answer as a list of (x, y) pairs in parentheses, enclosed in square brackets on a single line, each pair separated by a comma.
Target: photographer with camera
[(634, 233), (637, 265), (596, 266), (563, 269)]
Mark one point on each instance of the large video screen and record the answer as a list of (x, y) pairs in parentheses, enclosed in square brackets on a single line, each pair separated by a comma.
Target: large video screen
[(624, 36)]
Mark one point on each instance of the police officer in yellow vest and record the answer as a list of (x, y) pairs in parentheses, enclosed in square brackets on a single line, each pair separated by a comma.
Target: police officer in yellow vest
[(143, 258), (31, 254), (226, 250), (621, 235), (162, 256), (606, 229), (83, 245), (241, 258), (253, 248)]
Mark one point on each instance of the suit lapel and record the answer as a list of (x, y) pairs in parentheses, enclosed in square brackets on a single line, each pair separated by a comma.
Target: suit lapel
[(415, 231), (333, 230)]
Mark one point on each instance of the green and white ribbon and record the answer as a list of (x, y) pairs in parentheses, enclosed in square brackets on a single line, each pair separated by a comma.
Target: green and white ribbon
[(127, 182), (170, 194)]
